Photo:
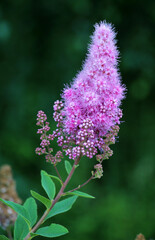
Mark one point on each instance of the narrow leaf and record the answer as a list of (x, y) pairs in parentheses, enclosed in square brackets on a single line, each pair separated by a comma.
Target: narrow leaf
[(21, 229), (80, 194), (42, 199), (62, 206), (33, 235), (68, 166), (18, 209), (54, 177), (54, 230), (48, 184), (31, 207), (2, 237)]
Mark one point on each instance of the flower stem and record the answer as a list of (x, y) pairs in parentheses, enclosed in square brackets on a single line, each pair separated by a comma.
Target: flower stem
[(58, 173), (82, 185), (60, 193)]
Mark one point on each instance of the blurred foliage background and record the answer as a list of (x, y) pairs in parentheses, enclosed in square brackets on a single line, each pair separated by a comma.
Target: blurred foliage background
[(42, 46)]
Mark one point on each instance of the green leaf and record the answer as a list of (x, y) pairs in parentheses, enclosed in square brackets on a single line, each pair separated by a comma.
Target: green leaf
[(42, 199), (54, 230), (68, 166), (21, 229), (18, 209), (48, 184), (31, 206), (2, 237), (33, 235), (80, 194), (62, 206), (58, 179)]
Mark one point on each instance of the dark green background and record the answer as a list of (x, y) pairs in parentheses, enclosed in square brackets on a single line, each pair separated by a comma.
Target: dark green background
[(42, 46)]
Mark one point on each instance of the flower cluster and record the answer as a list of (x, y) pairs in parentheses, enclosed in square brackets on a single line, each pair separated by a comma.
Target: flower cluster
[(96, 92), (89, 113), (99, 171), (45, 140), (83, 143)]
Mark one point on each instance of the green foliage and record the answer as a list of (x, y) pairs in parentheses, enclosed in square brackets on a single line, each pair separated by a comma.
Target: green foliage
[(68, 166), (54, 230), (31, 207), (27, 214), (21, 210), (80, 194), (62, 206), (2, 237), (21, 229), (54, 177), (47, 184), (42, 199)]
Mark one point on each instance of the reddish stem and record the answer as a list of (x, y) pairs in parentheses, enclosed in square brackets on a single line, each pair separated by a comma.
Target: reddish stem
[(82, 185), (60, 193), (58, 173)]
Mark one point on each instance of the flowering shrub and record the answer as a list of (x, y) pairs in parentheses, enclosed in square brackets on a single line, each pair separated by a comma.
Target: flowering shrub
[(88, 117)]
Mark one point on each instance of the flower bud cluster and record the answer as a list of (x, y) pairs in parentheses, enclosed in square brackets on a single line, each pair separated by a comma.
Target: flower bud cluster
[(54, 159), (83, 143), (58, 105), (80, 144), (41, 118), (108, 140), (46, 139), (98, 171)]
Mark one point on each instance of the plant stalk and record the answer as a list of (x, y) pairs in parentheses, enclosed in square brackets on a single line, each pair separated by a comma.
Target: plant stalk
[(58, 173), (60, 193), (82, 185)]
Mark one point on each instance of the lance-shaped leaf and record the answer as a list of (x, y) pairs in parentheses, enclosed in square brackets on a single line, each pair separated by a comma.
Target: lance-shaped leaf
[(18, 209), (31, 207), (42, 199), (54, 230), (48, 184), (80, 194), (68, 166), (62, 206), (21, 229)]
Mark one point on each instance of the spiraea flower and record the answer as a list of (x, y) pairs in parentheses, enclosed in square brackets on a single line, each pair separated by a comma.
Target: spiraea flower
[(89, 112), (96, 92)]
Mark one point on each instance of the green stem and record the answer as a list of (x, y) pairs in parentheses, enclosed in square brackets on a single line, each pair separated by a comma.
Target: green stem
[(60, 193)]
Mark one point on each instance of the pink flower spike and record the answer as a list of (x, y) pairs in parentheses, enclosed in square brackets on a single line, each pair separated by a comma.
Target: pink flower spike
[(96, 92), (89, 113)]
